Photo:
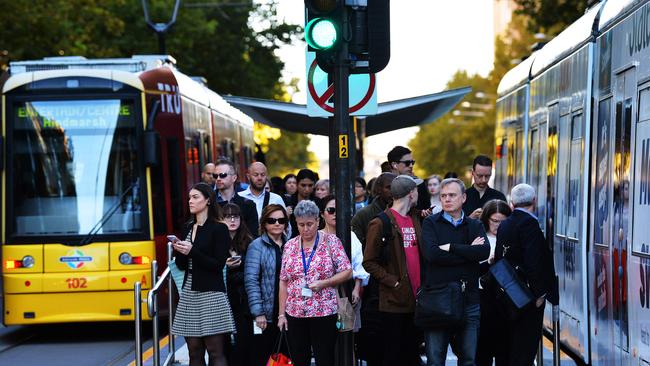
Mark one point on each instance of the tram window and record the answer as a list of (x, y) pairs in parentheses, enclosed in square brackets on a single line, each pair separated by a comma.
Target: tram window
[(562, 175), (602, 211), (574, 203), (644, 105)]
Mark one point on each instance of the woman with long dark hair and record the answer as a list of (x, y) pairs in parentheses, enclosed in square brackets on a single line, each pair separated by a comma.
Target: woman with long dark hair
[(241, 238), (203, 314)]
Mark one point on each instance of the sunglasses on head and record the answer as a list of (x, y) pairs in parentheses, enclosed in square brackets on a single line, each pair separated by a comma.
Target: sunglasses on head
[(220, 175), (272, 221), (407, 162), (330, 210)]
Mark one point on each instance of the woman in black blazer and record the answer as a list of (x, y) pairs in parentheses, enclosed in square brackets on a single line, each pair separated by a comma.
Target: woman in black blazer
[(203, 315)]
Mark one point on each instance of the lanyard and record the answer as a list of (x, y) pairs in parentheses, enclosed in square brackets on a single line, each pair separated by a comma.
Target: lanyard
[(306, 264)]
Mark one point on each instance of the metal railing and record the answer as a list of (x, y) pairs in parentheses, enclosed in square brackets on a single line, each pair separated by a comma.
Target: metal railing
[(152, 309)]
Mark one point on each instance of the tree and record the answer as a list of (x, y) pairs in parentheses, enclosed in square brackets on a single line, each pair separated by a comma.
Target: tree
[(551, 16), (452, 142), (218, 43)]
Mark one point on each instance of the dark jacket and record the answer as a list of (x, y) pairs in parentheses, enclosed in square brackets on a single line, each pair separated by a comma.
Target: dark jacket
[(236, 289), (392, 299), (528, 250), (474, 199), (209, 253), (261, 276), (461, 262), (362, 218), (248, 212)]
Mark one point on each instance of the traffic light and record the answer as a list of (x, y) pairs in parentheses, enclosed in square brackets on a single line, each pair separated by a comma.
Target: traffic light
[(369, 45), (324, 30)]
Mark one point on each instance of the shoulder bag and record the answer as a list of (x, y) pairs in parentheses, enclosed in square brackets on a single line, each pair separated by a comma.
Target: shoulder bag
[(440, 306), (511, 291)]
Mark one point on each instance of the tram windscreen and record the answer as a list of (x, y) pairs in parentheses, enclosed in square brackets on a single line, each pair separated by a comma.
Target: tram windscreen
[(75, 168)]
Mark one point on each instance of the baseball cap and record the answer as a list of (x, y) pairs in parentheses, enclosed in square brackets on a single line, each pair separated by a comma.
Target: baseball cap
[(402, 185)]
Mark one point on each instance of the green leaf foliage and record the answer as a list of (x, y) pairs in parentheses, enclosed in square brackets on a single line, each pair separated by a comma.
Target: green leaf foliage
[(551, 16), (230, 43)]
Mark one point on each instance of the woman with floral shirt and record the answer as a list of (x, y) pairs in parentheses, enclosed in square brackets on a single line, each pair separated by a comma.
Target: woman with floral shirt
[(313, 264)]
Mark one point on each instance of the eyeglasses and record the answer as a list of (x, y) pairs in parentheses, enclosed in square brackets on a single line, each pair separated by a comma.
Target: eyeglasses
[(232, 217), (330, 210), (272, 221), (220, 175), (407, 162)]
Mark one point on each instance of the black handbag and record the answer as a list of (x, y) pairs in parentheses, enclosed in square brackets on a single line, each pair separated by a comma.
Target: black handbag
[(511, 291), (440, 306)]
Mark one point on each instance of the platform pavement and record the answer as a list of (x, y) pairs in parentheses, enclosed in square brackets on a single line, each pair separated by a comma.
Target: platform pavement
[(183, 359)]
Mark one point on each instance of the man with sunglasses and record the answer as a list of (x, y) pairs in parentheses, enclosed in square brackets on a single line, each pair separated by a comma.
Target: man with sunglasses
[(401, 162), (225, 177)]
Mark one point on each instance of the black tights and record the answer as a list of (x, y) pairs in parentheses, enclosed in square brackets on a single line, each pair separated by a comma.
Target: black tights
[(214, 344)]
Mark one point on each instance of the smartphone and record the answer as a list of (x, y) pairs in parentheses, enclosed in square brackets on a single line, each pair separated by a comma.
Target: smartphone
[(236, 257), (172, 238)]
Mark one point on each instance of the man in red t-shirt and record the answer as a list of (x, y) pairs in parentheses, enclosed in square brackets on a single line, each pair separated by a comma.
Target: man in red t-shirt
[(394, 262)]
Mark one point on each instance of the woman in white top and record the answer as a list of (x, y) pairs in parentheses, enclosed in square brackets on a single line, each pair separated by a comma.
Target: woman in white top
[(491, 333), (359, 274), (433, 187)]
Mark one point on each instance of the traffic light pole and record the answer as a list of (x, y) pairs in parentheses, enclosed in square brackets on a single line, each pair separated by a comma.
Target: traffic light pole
[(343, 133)]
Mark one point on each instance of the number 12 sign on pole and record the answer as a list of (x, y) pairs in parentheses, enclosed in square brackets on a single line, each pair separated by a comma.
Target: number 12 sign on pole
[(363, 92)]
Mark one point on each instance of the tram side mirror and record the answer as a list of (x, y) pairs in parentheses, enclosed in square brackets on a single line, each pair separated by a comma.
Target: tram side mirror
[(150, 138)]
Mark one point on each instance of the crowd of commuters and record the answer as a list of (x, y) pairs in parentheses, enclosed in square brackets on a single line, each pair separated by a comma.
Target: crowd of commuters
[(263, 258)]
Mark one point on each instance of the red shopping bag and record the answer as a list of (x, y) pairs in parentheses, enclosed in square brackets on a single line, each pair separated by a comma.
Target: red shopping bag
[(278, 358)]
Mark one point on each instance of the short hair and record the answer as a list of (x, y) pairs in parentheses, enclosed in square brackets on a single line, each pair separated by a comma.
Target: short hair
[(306, 208), (306, 174), (451, 175), (323, 182), (396, 154), (381, 180), (482, 160), (287, 177), (361, 181), (225, 161), (267, 211), (490, 208), (522, 195), (448, 181), (385, 167)]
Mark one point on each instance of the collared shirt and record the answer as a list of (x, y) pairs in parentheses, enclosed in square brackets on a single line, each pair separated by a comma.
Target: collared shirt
[(448, 217), (528, 212), (221, 199), (259, 200)]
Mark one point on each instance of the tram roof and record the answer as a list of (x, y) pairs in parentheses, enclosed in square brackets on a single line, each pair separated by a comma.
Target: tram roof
[(613, 10), (565, 43), (390, 116)]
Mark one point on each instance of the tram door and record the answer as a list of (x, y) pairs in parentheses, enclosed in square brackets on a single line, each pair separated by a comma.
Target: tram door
[(624, 114)]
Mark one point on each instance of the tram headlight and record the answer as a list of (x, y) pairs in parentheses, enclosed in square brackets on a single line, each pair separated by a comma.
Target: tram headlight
[(28, 261), (125, 258)]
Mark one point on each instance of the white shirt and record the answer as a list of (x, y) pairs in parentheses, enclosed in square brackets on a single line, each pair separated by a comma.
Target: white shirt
[(358, 272), (259, 200), (493, 244)]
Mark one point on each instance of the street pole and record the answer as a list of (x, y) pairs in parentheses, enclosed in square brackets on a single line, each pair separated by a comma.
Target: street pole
[(343, 135)]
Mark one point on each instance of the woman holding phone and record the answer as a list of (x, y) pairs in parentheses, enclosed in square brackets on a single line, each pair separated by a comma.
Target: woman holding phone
[(241, 237), (203, 315)]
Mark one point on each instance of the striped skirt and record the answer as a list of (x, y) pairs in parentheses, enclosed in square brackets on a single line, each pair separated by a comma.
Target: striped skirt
[(201, 314)]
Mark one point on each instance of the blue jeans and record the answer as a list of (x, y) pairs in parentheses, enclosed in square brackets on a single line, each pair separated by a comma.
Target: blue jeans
[(463, 340)]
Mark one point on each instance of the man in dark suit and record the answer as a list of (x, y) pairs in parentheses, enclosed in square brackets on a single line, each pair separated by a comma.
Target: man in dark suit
[(225, 177), (526, 247)]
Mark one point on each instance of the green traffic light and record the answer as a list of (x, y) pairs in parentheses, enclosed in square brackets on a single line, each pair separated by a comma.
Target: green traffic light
[(321, 34)]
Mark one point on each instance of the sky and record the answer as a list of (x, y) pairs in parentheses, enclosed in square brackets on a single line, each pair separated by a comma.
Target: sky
[(430, 41)]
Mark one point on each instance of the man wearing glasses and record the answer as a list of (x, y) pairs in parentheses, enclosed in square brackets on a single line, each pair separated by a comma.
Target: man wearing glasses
[(225, 177), (401, 162), (480, 193)]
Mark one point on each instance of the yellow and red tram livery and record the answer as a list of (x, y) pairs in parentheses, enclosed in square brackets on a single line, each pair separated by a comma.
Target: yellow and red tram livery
[(88, 195)]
